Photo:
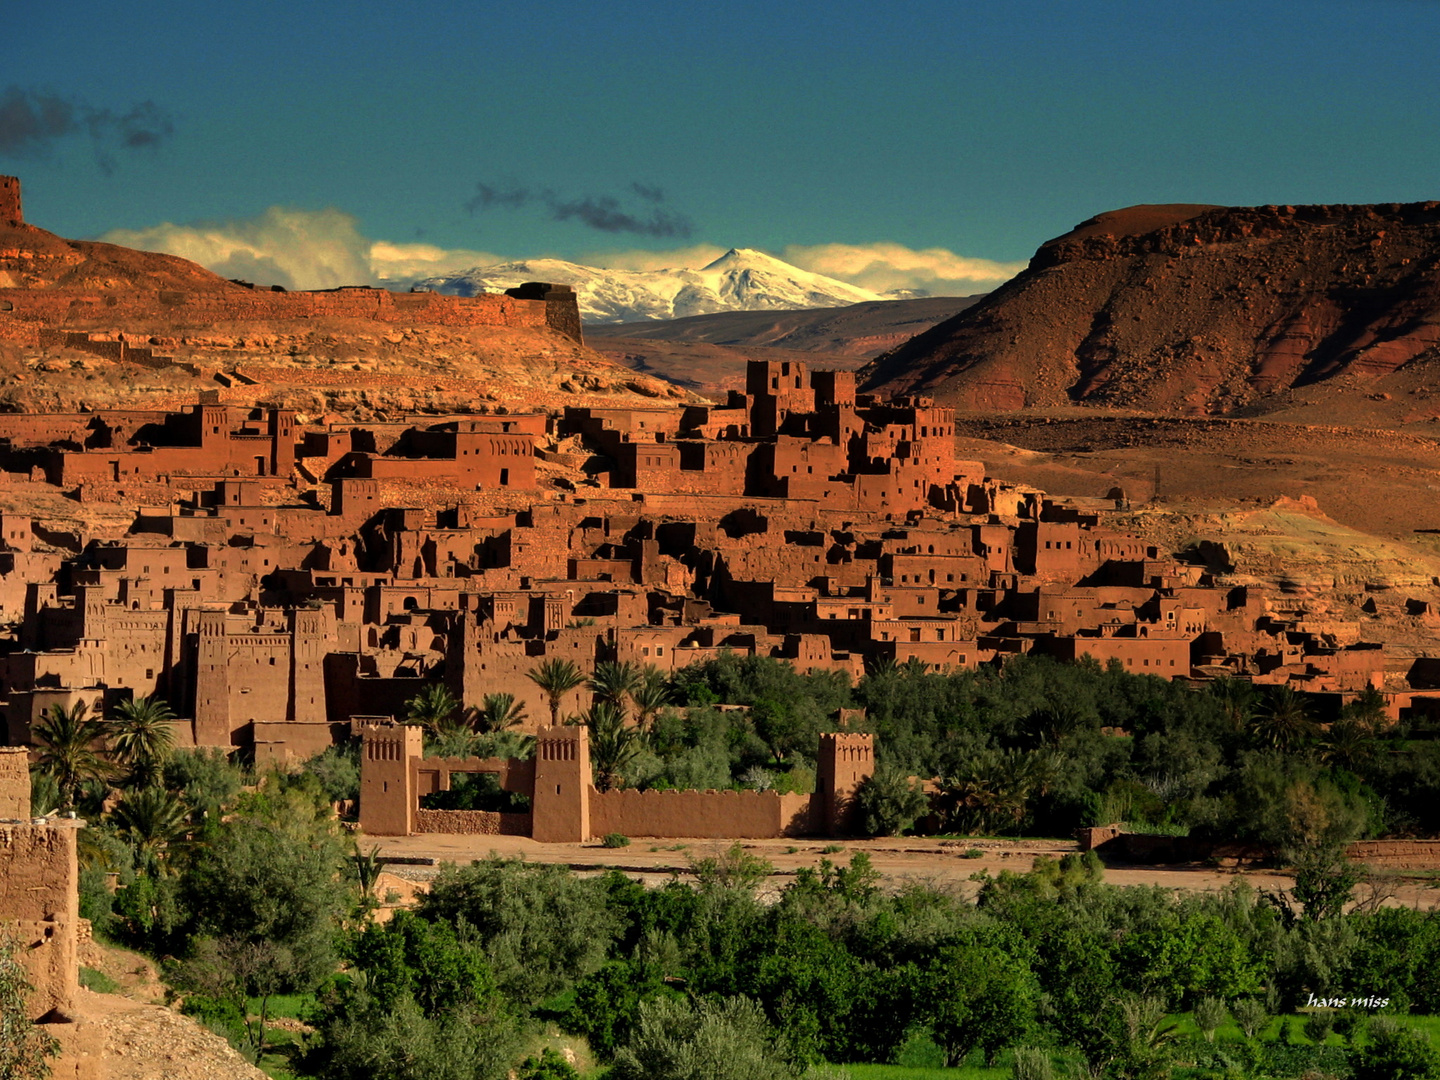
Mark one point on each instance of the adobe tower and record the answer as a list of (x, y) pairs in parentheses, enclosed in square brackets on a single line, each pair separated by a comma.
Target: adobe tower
[(10, 213), (844, 762)]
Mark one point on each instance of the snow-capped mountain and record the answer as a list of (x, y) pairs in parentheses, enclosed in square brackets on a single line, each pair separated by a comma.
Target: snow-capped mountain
[(740, 280)]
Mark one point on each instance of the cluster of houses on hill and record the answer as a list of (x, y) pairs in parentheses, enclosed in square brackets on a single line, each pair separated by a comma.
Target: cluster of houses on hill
[(280, 578)]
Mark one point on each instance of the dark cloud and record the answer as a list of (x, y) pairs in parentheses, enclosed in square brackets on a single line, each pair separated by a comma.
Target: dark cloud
[(487, 196), (604, 213), (31, 121)]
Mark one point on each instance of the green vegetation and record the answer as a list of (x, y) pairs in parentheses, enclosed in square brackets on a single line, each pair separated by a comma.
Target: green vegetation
[(98, 981), (25, 1050), (260, 905)]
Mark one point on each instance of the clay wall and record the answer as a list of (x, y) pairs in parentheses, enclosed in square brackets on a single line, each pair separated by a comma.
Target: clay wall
[(704, 814), (39, 902), (29, 430)]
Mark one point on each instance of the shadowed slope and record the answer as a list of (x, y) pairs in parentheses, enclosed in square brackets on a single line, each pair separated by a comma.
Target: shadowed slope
[(1191, 309)]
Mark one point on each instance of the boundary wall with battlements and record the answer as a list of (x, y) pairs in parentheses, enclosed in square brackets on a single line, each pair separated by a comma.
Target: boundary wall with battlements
[(566, 808)]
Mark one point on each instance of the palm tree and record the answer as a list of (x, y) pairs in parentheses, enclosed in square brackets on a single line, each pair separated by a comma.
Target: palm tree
[(652, 695), (556, 678), (497, 712), (152, 820), (141, 738), (67, 740), (1349, 744), (613, 743), (1283, 722), (368, 865), (436, 710), (614, 681), (1237, 701)]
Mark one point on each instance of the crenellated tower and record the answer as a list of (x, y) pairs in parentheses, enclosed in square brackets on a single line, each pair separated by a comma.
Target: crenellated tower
[(843, 763), (561, 806)]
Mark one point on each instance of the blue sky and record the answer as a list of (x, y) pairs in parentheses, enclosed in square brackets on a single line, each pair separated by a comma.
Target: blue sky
[(976, 130)]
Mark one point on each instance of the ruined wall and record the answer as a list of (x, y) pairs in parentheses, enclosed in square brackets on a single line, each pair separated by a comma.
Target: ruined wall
[(39, 903), (14, 783), (707, 814), (10, 209), (31, 310)]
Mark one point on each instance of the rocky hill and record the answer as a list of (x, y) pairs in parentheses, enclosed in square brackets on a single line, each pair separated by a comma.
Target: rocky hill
[(104, 294), (1196, 310)]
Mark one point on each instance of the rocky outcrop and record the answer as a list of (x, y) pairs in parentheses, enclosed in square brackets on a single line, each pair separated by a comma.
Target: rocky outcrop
[(1191, 309)]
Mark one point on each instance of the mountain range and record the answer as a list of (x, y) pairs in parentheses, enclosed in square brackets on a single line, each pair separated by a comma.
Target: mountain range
[(740, 280), (708, 353)]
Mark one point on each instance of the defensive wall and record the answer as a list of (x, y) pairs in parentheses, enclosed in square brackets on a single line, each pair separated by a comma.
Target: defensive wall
[(32, 311), (26, 313), (39, 892), (566, 808)]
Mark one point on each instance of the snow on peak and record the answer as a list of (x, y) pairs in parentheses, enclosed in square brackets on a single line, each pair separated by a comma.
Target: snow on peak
[(742, 279)]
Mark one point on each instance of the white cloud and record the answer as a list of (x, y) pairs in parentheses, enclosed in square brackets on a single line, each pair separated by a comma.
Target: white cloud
[(299, 249), (883, 267), (320, 249), (684, 258), (401, 264)]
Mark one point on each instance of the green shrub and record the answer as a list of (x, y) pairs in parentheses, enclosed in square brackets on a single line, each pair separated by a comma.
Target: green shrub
[(1032, 1063), (219, 1015), (614, 840), (550, 1065), (98, 981), (1395, 1052)]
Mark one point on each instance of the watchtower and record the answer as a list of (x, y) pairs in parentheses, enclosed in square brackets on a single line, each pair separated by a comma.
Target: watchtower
[(387, 799), (560, 810), (844, 762), (10, 212)]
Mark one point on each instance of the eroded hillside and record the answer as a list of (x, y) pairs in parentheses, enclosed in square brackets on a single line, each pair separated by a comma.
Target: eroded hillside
[(1193, 310)]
